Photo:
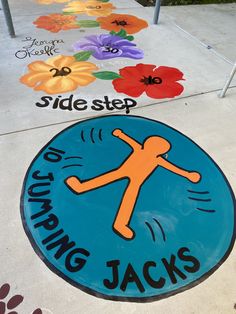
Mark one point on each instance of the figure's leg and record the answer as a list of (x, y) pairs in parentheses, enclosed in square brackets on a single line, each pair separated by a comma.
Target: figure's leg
[(121, 223), (79, 187)]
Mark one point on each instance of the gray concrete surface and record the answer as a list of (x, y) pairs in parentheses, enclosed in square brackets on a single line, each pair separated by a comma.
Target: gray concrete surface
[(213, 25), (180, 40)]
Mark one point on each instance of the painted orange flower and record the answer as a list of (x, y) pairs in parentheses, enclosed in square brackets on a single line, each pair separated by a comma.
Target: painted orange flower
[(91, 8), (60, 74), (116, 22), (51, 1), (56, 22)]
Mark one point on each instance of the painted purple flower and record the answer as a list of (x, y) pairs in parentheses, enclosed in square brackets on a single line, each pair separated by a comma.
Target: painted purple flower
[(109, 46)]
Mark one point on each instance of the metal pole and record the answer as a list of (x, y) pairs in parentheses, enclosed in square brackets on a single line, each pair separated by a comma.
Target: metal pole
[(8, 17), (157, 11), (224, 90)]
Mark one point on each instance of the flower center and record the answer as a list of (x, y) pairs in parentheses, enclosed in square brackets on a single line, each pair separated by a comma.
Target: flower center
[(151, 80), (62, 22), (63, 72), (121, 23), (110, 49), (90, 7)]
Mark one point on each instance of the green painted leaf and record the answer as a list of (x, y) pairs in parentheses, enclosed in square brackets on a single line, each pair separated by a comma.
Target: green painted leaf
[(122, 33), (106, 75), (130, 38), (83, 55), (67, 13), (103, 0), (88, 23)]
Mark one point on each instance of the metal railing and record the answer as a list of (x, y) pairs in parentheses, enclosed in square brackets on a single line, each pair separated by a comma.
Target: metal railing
[(7, 14), (157, 11), (224, 90)]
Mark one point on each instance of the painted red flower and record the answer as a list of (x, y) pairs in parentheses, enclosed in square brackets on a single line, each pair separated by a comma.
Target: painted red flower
[(156, 82)]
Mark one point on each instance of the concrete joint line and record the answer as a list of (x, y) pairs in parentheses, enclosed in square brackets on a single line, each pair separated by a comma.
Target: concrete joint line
[(208, 47)]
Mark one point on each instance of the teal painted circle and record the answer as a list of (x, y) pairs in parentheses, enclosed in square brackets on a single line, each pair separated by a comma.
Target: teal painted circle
[(183, 231)]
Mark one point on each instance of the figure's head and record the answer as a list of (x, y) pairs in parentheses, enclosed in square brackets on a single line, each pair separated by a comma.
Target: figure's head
[(156, 145)]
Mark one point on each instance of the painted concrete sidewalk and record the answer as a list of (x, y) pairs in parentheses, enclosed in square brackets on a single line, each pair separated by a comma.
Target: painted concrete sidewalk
[(25, 128), (204, 70)]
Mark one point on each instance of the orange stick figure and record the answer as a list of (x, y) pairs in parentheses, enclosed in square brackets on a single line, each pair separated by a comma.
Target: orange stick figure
[(137, 167)]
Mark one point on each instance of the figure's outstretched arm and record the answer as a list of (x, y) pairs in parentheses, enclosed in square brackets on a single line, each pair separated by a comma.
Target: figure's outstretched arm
[(190, 175), (124, 137)]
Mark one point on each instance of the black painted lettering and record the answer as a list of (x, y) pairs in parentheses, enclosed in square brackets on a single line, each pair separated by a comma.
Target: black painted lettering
[(32, 190), (56, 50), (66, 103), (110, 49), (21, 54), (40, 52), (49, 224), (172, 269), (129, 103), (29, 39), (64, 246), (48, 50), (80, 102), (52, 236), (54, 154), (116, 102), (46, 206), (107, 102), (36, 176), (157, 284), (78, 262), (97, 105), (29, 50), (56, 102), (46, 101), (130, 277), (115, 275), (188, 258)]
